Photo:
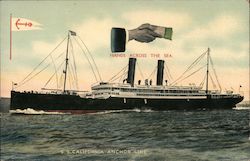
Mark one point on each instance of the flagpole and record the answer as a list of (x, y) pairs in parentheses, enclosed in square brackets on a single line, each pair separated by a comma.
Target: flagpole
[(10, 36)]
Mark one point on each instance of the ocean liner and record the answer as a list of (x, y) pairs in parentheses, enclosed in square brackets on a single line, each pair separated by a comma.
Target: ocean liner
[(126, 94)]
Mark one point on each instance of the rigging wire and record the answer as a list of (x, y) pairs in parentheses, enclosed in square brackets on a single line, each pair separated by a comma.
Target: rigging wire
[(190, 67), (39, 73), (214, 85), (168, 71), (75, 70), (91, 57), (140, 70), (216, 77), (167, 75), (120, 77), (33, 76), (192, 73), (61, 80), (203, 81), (55, 71), (41, 62), (70, 79), (53, 75), (111, 79), (73, 74), (123, 75), (62, 74), (87, 59), (152, 73)]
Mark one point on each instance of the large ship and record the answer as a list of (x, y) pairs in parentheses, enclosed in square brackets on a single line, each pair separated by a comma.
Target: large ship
[(127, 94)]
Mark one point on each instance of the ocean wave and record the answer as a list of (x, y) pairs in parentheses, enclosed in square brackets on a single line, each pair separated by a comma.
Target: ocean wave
[(122, 111), (30, 111), (242, 108)]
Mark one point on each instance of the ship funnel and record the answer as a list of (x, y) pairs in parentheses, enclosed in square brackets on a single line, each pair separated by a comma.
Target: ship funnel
[(131, 71), (160, 71)]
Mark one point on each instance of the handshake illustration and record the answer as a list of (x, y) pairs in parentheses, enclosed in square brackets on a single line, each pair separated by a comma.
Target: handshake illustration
[(145, 33)]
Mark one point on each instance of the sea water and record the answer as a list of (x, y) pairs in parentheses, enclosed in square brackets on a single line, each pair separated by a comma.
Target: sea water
[(143, 135)]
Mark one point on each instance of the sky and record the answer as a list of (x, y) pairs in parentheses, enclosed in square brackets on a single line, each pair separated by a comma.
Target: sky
[(222, 26)]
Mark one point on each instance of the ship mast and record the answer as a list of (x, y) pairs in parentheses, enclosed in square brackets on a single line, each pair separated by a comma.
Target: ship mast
[(66, 64), (208, 52)]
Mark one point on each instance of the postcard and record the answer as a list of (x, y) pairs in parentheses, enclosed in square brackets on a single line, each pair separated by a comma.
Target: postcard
[(124, 80)]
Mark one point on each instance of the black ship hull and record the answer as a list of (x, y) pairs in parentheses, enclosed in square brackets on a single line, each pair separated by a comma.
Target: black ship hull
[(76, 104)]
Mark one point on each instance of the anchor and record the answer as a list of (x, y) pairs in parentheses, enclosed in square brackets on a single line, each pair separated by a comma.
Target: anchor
[(29, 24)]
